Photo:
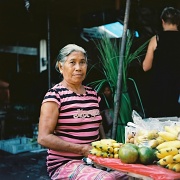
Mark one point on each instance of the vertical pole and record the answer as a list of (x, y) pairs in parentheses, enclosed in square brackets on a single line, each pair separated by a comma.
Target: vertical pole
[(48, 51), (119, 81), (48, 45)]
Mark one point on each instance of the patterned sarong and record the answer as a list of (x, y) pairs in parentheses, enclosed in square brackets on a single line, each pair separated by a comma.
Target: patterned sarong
[(78, 170)]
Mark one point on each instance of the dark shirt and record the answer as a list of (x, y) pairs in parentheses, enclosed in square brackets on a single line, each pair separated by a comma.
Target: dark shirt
[(165, 84), (106, 108), (106, 102)]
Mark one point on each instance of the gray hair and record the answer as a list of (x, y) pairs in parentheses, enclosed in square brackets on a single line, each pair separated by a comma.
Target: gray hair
[(66, 51)]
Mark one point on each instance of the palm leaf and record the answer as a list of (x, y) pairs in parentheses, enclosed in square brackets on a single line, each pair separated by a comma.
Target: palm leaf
[(109, 58)]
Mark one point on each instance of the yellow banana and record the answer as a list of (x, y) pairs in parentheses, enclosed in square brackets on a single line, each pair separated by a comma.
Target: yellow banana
[(158, 155), (140, 139), (104, 141), (167, 136), (95, 143), (95, 152), (104, 147), (166, 144), (108, 142), (168, 159), (110, 155), (170, 166), (104, 154), (176, 167), (168, 151), (116, 156), (153, 143), (116, 150), (176, 158), (152, 134), (160, 140), (161, 162), (171, 129), (117, 145), (99, 153)]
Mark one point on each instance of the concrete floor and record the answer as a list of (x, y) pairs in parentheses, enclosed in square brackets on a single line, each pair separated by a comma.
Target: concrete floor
[(23, 166)]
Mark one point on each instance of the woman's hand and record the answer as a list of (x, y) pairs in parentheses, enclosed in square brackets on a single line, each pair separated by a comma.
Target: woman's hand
[(86, 150)]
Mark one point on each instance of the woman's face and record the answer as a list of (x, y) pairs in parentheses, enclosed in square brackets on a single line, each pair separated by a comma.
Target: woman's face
[(74, 68)]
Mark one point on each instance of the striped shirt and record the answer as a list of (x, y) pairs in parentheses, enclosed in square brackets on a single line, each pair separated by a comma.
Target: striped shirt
[(78, 121)]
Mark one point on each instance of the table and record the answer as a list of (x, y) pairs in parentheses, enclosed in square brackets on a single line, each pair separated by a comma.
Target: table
[(139, 171)]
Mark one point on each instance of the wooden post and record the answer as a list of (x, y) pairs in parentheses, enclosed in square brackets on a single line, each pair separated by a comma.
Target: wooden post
[(121, 58)]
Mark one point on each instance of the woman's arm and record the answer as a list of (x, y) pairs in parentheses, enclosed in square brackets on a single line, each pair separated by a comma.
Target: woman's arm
[(47, 123), (147, 63)]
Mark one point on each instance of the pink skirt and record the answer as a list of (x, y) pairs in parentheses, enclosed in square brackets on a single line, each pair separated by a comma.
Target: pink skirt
[(77, 170)]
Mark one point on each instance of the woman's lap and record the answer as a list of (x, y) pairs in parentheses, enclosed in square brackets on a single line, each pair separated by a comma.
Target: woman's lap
[(77, 170)]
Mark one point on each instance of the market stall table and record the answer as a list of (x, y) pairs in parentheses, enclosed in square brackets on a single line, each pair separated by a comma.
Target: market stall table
[(140, 171)]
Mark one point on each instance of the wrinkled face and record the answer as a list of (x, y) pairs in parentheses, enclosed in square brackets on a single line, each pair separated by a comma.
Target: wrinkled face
[(74, 68)]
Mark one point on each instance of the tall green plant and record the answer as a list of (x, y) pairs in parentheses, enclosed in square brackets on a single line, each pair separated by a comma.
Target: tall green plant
[(109, 57)]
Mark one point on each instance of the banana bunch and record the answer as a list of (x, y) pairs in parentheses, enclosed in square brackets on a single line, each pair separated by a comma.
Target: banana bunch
[(145, 136), (170, 133), (107, 148), (168, 154), (168, 151)]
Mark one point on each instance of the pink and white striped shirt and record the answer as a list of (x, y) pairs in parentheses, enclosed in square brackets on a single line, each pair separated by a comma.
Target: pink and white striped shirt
[(78, 122)]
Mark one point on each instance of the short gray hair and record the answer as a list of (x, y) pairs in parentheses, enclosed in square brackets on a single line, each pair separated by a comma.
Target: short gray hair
[(66, 51)]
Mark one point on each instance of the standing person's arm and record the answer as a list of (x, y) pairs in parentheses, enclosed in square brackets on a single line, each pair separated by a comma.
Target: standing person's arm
[(147, 63)]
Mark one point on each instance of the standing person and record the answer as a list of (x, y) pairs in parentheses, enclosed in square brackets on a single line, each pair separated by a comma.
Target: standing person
[(163, 58), (106, 107), (70, 120)]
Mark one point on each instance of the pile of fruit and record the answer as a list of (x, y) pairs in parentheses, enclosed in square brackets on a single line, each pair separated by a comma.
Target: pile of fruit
[(149, 147), (168, 152), (106, 148), (149, 137), (130, 137), (128, 152)]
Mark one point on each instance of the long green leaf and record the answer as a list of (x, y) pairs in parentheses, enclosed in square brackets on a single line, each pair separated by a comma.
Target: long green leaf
[(109, 58)]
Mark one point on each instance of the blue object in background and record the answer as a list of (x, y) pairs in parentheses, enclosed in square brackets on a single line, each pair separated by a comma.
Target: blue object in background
[(115, 29)]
